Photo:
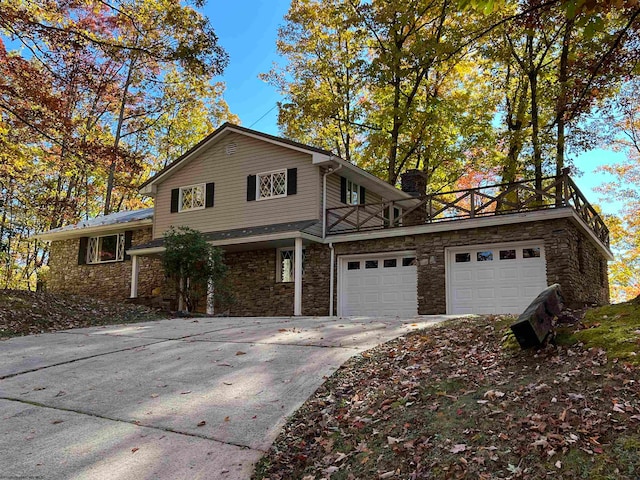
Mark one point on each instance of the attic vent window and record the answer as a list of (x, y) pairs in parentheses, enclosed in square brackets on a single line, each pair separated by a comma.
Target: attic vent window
[(231, 148)]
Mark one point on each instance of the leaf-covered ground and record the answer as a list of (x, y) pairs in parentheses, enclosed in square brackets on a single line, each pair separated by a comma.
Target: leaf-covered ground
[(457, 401), (24, 313)]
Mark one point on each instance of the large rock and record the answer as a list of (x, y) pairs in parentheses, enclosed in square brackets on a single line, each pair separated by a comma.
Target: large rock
[(535, 323)]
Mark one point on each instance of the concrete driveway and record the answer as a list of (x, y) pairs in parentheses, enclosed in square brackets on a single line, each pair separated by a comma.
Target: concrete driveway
[(182, 398)]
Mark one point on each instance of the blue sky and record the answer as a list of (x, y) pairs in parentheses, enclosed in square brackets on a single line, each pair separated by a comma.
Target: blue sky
[(248, 29)]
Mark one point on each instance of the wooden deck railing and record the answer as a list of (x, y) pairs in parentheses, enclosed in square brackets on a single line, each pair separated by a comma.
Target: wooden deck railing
[(501, 199)]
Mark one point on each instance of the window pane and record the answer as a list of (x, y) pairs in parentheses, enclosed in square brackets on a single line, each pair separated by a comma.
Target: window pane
[(108, 248), (279, 181), (485, 256), (265, 186), (198, 197), (390, 263), (531, 252), (409, 262), (463, 257), (371, 264), (186, 199), (286, 265), (507, 254), (352, 193), (353, 265)]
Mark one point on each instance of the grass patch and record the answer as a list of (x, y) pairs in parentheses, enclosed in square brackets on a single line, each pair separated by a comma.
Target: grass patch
[(614, 328)]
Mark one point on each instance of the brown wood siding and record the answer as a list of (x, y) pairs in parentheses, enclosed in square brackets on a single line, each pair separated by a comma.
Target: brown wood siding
[(229, 172)]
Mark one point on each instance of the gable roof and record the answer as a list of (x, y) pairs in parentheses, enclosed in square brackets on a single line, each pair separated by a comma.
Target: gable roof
[(111, 223), (320, 157), (223, 131)]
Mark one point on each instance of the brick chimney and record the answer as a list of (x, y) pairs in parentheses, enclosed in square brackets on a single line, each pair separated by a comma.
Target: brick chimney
[(414, 182)]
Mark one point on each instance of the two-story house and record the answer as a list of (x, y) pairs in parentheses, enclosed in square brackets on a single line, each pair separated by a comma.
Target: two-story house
[(307, 233)]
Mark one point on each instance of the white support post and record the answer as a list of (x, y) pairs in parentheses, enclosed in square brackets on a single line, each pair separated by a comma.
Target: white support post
[(210, 298), (297, 276), (332, 269), (134, 276)]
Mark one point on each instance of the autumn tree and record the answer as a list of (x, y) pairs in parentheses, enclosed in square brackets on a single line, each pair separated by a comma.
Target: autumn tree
[(624, 116), (85, 100)]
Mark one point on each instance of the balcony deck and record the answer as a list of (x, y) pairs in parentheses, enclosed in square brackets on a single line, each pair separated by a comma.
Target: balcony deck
[(492, 200)]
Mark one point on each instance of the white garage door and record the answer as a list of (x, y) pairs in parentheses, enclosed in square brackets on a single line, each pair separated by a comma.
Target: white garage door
[(379, 285), (501, 278)]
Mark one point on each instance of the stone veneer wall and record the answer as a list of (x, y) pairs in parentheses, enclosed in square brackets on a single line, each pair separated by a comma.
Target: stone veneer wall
[(251, 278), (106, 280), (572, 259)]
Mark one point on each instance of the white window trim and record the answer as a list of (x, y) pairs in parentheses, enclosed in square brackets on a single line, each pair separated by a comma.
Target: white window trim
[(279, 264), (204, 196), (354, 188), (272, 172), (120, 253)]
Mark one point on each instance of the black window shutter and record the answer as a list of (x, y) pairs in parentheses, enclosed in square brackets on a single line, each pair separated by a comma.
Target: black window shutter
[(175, 194), (82, 251), (292, 181), (128, 236), (343, 190), (251, 188), (361, 200), (208, 203)]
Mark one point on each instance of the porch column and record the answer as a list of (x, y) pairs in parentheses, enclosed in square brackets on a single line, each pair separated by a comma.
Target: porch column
[(134, 276), (297, 277), (210, 298)]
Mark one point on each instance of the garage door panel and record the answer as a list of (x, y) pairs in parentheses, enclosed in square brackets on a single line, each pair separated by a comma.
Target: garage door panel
[(389, 280), (486, 293), (508, 273), (462, 276), (503, 282), (510, 292), (461, 294), (484, 274), (370, 281), (387, 290)]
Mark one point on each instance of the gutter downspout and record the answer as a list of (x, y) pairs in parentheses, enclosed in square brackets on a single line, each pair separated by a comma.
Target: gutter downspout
[(324, 198), (324, 234), (331, 275)]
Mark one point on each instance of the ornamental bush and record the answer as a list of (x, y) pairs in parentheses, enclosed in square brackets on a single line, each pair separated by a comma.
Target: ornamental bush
[(191, 265)]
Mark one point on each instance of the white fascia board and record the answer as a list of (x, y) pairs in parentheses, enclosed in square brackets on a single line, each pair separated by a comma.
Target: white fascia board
[(265, 238), (237, 241), (364, 178), (492, 221), (93, 231), (145, 251)]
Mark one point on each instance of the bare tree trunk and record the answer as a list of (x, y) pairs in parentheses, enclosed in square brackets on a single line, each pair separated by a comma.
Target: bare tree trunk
[(562, 97), (116, 142)]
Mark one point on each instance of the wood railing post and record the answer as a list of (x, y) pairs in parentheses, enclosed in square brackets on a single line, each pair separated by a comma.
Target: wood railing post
[(565, 186), (472, 204)]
